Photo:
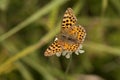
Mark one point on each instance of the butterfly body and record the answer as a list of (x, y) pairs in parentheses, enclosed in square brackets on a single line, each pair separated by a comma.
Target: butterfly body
[(69, 39)]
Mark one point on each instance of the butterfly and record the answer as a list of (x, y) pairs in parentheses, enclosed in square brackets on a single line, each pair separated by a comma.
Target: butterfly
[(69, 39)]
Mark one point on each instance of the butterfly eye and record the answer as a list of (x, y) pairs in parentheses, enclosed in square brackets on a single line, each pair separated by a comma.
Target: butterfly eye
[(63, 36), (71, 39)]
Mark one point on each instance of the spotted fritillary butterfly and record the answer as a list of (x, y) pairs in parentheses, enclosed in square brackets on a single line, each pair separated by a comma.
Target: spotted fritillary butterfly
[(69, 39)]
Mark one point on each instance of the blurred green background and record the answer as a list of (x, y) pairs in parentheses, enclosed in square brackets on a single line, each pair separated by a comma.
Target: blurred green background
[(28, 27)]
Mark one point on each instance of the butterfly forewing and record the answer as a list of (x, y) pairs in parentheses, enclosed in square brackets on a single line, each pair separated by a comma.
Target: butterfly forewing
[(69, 19)]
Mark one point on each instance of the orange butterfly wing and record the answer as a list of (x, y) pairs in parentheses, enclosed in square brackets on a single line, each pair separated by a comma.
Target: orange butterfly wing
[(69, 39), (54, 48), (69, 19)]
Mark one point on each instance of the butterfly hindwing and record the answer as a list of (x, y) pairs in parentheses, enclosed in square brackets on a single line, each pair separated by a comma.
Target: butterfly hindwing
[(81, 33), (54, 48)]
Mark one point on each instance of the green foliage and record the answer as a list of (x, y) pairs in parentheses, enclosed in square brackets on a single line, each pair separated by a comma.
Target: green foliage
[(27, 27)]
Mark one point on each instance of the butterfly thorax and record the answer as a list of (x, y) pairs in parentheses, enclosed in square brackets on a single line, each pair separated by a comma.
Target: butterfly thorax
[(67, 38)]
